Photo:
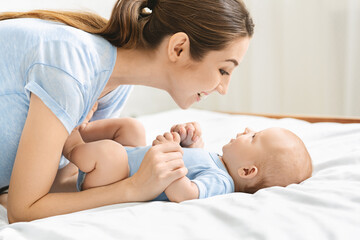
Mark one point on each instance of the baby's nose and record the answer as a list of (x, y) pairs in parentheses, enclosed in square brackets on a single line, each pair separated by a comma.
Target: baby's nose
[(247, 130)]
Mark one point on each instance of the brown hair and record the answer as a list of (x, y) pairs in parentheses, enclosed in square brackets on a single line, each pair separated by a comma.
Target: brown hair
[(209, 24)]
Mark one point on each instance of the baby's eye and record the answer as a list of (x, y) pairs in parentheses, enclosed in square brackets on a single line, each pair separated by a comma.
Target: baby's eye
[(254, 135), (223, 72)]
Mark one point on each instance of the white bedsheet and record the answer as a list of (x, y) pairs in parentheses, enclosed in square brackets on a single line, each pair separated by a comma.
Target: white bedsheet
[(326, 206)]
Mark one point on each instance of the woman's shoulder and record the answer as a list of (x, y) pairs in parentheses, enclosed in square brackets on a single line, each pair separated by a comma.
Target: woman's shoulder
[(59, 45)]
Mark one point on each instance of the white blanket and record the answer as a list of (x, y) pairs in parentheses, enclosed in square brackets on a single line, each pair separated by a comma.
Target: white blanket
[(326, 206)]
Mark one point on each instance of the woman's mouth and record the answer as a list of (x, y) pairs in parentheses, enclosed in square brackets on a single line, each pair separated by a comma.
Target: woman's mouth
[(202, 95)]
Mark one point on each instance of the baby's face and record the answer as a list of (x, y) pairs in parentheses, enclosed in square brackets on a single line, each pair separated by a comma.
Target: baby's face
[(250, 146), (245, 148), (274, 155)]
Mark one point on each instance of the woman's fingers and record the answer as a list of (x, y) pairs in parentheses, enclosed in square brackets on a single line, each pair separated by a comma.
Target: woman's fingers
[(177, 174), (162, 165), (169, 147), (171, 156), (175, 164)]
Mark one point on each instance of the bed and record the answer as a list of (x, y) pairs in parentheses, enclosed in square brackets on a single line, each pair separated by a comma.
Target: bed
[(326, 206)]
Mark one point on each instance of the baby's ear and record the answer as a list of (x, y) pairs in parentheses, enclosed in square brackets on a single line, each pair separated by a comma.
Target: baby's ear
[(248, 172)]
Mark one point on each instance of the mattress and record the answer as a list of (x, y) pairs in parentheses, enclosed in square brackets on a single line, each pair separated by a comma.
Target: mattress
[(325, 206)]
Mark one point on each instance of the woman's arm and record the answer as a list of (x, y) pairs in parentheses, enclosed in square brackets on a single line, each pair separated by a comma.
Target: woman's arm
[(37, 161)]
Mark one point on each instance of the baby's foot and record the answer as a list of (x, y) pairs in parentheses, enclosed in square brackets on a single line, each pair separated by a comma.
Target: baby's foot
[(167, 137)]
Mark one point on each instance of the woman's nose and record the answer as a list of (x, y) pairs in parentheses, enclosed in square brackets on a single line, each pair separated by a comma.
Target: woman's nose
[(222, 88)]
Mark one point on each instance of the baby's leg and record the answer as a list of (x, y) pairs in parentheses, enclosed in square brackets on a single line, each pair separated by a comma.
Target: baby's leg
[(131, 132), (126, 131), (104, 162)]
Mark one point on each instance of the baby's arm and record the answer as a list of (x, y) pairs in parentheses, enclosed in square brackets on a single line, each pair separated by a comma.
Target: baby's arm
[(181, 189)]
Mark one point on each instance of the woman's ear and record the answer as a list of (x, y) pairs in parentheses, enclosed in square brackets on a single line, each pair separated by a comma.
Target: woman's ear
[(178, 47), (248, 172)]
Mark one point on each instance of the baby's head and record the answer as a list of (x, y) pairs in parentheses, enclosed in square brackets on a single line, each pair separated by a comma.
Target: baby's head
[(271, 157)]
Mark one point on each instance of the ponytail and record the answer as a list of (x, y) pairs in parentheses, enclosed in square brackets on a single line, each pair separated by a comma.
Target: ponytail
[(125, 27), (88, 22)]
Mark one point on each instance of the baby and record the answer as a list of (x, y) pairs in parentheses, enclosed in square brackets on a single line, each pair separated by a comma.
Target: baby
[(251, 161)]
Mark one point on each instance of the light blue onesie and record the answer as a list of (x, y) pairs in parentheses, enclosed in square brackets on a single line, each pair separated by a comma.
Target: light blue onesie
[(65, 67), (205, 169)]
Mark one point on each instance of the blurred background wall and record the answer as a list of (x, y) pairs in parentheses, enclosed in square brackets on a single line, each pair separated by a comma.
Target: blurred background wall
[(304, 59)]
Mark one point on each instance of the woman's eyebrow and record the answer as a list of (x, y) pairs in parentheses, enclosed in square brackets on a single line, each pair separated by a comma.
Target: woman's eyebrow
[(233, 61)]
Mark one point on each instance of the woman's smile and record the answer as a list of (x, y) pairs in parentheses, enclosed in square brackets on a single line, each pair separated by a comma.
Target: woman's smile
[(202, 95)]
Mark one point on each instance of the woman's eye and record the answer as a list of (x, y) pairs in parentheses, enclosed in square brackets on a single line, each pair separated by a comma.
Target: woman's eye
[(223, 72)]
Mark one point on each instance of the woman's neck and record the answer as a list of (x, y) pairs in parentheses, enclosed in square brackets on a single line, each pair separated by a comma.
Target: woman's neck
[(137, 67)]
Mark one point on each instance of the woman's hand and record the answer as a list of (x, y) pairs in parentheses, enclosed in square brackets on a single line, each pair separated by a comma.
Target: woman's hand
[(162, 165), (190, 134)]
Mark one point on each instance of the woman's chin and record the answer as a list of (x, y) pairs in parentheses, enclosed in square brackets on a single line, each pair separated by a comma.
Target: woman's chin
[(184, 107), (184, 104)]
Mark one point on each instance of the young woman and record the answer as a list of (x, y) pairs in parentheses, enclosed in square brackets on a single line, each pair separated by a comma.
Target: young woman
[(54, 66)]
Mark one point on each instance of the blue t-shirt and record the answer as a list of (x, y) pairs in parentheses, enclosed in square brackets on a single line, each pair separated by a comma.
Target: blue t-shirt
[(205, 169), (65, 67)]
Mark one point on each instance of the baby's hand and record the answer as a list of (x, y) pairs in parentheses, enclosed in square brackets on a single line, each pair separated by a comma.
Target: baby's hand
[(91, 113), (88, 117), (190, 134), (167, 137)]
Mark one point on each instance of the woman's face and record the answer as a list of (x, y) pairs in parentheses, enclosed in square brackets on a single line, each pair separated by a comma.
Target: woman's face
[(211, 74)]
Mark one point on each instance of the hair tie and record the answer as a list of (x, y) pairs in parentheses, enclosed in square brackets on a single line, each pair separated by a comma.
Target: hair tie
[(151, 4)]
